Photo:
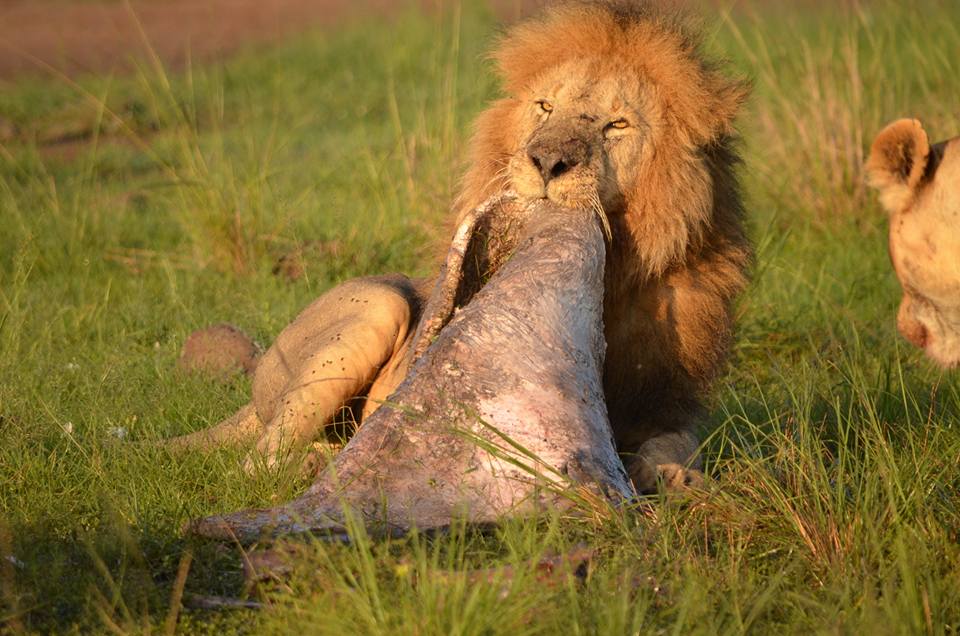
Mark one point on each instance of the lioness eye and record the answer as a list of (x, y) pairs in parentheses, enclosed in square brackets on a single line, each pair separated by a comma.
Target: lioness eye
[(545, 106)]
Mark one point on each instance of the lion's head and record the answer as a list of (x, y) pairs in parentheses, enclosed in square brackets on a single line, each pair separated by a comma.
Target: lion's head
[(919, 185), (611, 103)]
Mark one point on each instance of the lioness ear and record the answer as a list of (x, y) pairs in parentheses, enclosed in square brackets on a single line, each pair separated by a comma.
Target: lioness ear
[(897, 162)]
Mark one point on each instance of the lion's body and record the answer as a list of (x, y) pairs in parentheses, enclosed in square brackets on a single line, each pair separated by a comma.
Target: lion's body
[(679, 254), (640, 125), (345, 346), (919, 185)]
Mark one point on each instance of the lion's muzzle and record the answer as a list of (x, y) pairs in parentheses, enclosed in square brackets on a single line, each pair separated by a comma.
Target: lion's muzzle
[(554, 156)]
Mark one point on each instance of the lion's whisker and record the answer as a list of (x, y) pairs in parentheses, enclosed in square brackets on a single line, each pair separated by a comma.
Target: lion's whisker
[(498, 181), (597, 206)]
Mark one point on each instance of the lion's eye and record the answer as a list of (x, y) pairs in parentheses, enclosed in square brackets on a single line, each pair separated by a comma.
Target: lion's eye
[(545, 106), (619, 124)]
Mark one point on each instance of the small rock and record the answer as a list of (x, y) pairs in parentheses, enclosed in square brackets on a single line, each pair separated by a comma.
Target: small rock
[(293, 264), (290, 266), (221, 351)]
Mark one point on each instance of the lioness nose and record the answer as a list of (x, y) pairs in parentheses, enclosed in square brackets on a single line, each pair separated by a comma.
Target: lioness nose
[(909, 327), (554, 159)]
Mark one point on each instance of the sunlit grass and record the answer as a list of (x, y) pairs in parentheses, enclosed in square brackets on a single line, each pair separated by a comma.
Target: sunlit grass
[(833, 447)]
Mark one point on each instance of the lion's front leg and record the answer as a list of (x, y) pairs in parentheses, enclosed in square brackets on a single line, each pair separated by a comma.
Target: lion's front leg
[(329, 355), (666, 343)]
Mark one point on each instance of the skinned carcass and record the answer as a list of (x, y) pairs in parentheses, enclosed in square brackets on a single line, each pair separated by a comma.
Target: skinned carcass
[(502, 410)]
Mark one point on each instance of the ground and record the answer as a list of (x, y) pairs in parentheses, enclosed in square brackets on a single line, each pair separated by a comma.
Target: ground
[(138, 207), (76, 37)]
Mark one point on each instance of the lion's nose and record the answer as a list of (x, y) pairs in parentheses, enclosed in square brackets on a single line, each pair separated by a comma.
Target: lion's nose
[(915, 332), (553, 160)]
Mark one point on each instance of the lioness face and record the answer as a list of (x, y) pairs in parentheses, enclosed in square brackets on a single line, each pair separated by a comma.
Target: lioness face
[(920, 187), (577, 128)]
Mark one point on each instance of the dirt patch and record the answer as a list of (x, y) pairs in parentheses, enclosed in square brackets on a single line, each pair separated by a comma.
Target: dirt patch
[(77, 37), (97, 36)]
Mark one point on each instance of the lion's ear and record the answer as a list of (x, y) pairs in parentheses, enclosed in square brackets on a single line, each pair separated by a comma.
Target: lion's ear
[(729, 95), (898, 161)]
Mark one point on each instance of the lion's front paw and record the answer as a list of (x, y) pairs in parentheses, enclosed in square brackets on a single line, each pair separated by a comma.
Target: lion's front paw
[(675, 477), (648, 479)]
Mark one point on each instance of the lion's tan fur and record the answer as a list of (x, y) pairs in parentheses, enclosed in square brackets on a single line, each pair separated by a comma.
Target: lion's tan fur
[(679, 255), (919, 185)]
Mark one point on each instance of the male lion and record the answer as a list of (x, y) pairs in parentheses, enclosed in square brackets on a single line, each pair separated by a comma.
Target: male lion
[(609, 105), (919, 185)]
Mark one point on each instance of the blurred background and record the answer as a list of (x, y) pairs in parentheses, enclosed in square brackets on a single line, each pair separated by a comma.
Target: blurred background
[(76, 36)]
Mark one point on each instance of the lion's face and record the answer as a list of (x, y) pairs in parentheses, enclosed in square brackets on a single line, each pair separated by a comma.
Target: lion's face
[(610, 104), (919, 185), (580, 137)]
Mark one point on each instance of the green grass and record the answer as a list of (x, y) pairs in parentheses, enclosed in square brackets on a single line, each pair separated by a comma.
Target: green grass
[(832, 445)]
